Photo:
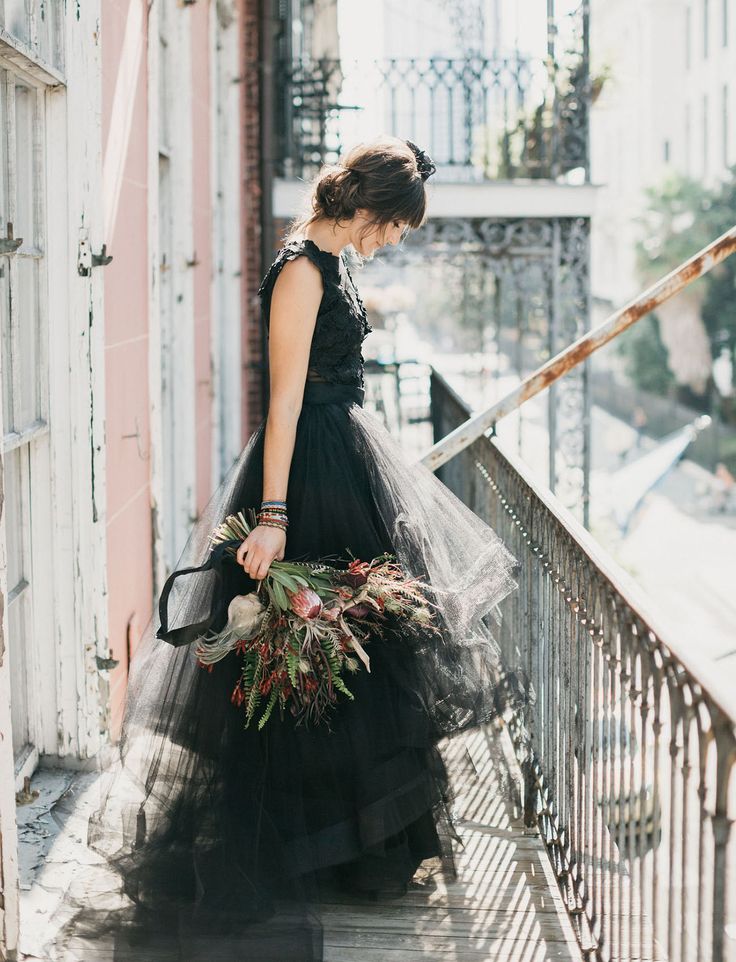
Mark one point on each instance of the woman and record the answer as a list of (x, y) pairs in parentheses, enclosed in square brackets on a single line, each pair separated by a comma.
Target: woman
[(227, 838)]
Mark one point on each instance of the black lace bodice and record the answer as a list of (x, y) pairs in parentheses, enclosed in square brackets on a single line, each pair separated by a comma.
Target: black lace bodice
[(341, 326)]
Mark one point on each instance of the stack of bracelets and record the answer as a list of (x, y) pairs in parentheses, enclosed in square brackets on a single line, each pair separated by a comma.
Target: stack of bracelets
[(273, 513)]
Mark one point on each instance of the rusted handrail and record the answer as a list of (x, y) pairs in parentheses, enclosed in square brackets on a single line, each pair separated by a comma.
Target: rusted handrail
[(665, 288), (628, 750)]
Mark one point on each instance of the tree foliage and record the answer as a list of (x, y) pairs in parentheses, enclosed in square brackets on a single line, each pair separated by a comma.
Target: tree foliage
[(681, 217)]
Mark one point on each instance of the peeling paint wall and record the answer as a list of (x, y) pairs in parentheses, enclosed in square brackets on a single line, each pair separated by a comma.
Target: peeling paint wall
[(109, 507), (9, 889)]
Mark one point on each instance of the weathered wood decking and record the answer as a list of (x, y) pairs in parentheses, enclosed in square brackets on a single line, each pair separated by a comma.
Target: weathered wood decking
[(504, 905)]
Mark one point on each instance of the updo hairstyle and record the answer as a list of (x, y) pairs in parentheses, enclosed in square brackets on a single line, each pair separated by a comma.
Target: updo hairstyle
[(383, 178)]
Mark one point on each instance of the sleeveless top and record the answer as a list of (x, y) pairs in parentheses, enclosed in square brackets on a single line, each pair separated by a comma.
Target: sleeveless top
[(341, 326)]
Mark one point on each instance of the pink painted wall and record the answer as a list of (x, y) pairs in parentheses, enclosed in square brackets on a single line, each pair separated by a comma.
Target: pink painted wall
[(129, 534), (202, 244), (127, 435)]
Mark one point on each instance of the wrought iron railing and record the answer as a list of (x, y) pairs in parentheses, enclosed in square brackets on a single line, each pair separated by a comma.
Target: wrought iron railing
[(479, 117), (629, 751)]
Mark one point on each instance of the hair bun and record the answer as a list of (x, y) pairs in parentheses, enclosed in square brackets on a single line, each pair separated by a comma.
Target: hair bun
[(336, 194)]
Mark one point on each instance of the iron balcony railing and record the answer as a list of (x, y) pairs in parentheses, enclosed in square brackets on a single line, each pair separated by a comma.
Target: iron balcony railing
[(580, 350), (478, 117), (629, 750)]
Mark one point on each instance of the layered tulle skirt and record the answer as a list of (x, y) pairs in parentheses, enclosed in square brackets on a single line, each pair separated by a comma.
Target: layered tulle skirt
[(223, 840)]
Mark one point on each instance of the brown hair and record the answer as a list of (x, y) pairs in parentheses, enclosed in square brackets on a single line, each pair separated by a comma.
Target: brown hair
[(381, 177)]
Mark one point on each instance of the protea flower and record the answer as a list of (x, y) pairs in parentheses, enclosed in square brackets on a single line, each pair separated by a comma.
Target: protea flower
[(305, 603), (244, 618), (245, 612)]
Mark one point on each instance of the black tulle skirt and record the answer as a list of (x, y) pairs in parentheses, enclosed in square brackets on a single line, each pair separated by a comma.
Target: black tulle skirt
[(224, 841)]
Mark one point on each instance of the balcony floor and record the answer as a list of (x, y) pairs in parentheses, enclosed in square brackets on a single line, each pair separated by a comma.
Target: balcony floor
[(503, 907)]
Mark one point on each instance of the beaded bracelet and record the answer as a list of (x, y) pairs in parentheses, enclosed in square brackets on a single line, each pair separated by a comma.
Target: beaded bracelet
[(273, 514), (273, 524), (282, 520), (276, 511)]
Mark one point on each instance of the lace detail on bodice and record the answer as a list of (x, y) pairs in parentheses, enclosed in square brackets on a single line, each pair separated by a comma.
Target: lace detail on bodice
[(341, 325)]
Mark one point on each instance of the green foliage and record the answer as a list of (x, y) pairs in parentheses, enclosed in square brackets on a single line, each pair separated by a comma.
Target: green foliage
[(254, 696), (682, 217), (646, 356), (292, 665), (269, 708)]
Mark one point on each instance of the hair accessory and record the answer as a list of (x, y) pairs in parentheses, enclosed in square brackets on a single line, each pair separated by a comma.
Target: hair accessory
[(425, 164)]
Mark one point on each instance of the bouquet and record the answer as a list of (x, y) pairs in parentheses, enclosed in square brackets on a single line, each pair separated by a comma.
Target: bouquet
[(306, 627)]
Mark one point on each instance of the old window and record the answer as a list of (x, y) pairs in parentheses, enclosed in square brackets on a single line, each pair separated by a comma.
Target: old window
[(23, 305)]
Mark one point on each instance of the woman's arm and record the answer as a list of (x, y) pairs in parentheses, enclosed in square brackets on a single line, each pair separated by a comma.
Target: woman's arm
[(295, 301)]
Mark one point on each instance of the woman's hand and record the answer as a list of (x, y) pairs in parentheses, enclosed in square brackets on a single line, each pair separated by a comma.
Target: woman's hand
[(264, 544)]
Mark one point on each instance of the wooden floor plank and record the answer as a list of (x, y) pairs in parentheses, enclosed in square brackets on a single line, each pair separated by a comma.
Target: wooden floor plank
[(504, 905)]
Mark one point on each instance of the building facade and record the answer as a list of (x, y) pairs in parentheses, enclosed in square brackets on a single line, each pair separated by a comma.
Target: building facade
[(669, 105), (129, 263)]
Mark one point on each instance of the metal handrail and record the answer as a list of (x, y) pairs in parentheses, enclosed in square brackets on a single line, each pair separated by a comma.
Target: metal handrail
[(629, 751), (665, 288)]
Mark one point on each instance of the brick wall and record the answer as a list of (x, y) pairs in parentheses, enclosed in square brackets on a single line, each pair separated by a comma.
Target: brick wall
[(251, 240)]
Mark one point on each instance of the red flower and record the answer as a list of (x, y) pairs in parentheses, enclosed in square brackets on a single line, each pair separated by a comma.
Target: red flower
[(305, 603)]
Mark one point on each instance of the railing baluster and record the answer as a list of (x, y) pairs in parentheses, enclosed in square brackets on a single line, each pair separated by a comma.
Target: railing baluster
[(609, 747), (722, 824)]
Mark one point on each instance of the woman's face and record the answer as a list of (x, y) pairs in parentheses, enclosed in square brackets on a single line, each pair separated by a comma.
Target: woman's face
[(375, 236)]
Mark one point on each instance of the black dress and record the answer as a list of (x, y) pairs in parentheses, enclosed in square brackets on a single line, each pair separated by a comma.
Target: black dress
[(226, 839)]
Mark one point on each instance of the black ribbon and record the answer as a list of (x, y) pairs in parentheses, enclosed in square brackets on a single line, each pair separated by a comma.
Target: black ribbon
[(189, 633)]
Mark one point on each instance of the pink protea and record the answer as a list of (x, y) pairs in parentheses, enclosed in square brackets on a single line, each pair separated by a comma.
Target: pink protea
[(305, 603)]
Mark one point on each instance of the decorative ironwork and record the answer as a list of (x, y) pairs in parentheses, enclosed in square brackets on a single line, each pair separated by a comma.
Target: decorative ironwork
[(478, 117), (521, 285), (629, 753)]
